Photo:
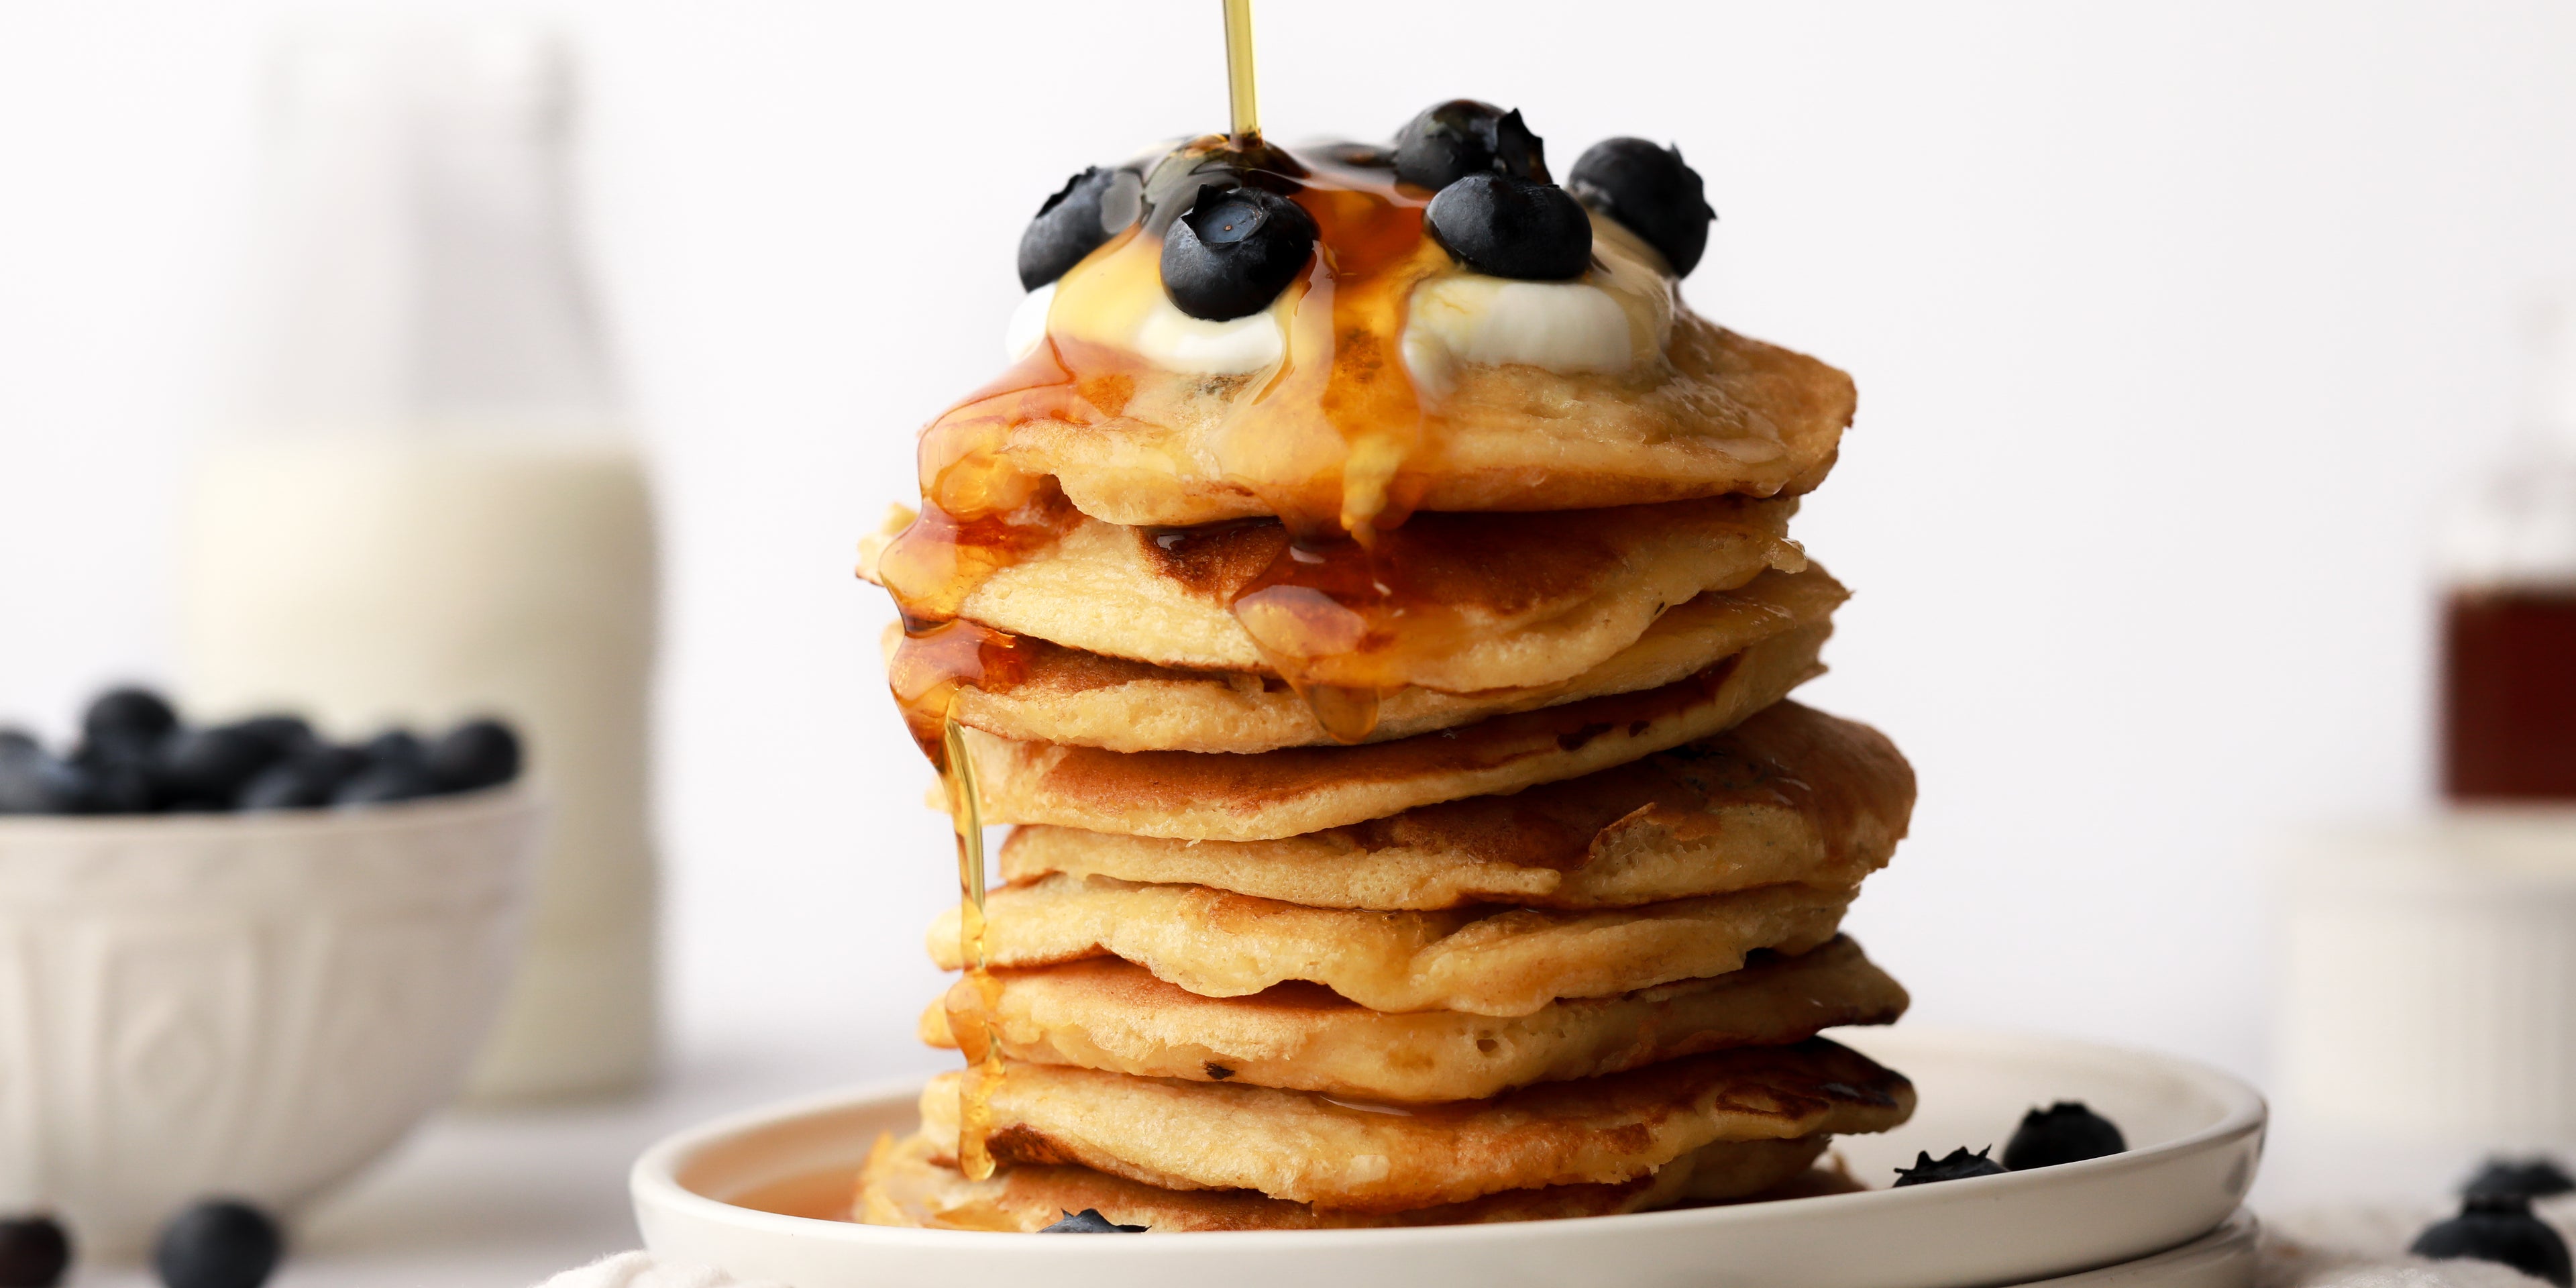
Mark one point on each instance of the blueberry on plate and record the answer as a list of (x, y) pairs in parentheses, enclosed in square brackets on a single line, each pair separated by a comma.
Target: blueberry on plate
[(219, 1243), (2065, 1132), (1232, 252), (1512, 227), (1089, 1221), (1651, 193), (1957, 1165), (1087, 211), (2498, 1228), (127, 714), (474, 755), (397, 745), (1461, 137), (18, 742), (34, 1252), (2532, 1178)]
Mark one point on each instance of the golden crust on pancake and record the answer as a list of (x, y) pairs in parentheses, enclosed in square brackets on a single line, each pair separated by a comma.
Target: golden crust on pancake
[(1086, 700), (1295, 790), (1791, 794), (1524, 599), (1722, 413), (1487, 960), (1104, 1013), (1312, 1149), (906, 1184)]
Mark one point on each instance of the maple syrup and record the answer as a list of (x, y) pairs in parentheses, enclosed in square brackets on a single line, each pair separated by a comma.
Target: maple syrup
[(2509, 694)]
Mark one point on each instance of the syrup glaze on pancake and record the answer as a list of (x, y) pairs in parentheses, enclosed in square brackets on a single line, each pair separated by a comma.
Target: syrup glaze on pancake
[(1296, 790), (1487, 960), (1061, 695), (1308, 1148), (1454, 602), (1104, 1013), (906, 1184), (1791, 794), (1331, 444)]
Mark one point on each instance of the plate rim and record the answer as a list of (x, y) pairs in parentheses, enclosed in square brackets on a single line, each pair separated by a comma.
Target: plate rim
[(653, 1179)]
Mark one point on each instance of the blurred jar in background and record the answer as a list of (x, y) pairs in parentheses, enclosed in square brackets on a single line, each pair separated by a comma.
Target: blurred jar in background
[(432, 507), (2509, 618)]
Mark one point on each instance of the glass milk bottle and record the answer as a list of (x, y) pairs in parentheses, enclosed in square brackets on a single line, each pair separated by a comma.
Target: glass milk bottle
[(2509, 613), (432, 508)]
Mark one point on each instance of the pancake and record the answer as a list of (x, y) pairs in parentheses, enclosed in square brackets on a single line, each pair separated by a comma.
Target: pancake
[(1791, 794), (1084, 699), (1296, 790), (1109, 1014), (1491, 601), (1350, 1155), (905, 1184), (1485, 960), (1721, 413)]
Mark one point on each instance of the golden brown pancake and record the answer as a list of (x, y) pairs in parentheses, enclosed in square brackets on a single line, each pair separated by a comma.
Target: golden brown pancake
[(1495, 600), (1087, 700), (1791, 794), (1296, 790), (905, 1184), (1488, 960), (1308, 1148), (1104, 1013), (1722, 413)]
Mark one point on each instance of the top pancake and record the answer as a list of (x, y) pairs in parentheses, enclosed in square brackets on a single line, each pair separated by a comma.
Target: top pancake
[(1492, 601), (1721, 413)]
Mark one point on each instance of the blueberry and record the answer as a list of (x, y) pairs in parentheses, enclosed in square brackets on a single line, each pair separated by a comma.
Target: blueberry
[(129, 714), (2499, 1228), (284, 735), (2535, 1178), (1512, 227), (1463, 137), (1957, 1165), (207, 768), (383, 782), (2065, 1132), (397, 745), (34, 1252), (301, 781), (124, 776), (1234, 250), (1089, 209), (219, 1243), (34, 782), (1649, 191), (474, 755), (1089, 1221)]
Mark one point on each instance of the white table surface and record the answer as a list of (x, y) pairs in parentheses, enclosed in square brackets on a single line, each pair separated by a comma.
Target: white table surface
[(493, 1199)]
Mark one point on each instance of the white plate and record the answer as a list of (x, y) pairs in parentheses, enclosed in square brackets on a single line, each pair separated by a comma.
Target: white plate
[(2195, 1135)]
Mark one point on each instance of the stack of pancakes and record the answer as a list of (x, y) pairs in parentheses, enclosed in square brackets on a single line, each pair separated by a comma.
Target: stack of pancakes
[(1550, 929)]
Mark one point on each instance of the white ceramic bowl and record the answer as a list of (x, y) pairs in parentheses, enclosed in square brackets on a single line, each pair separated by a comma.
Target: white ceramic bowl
[(2195, 1136), (250, 1005)]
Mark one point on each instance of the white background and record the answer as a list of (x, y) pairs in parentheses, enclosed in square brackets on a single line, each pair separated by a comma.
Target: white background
[(2172, 322)]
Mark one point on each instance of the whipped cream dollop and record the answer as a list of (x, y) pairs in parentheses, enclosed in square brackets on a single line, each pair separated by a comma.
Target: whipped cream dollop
[(1617, 315)]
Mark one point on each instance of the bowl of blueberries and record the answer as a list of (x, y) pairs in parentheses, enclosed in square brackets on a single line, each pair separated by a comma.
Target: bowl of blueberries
[(239, 961)]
